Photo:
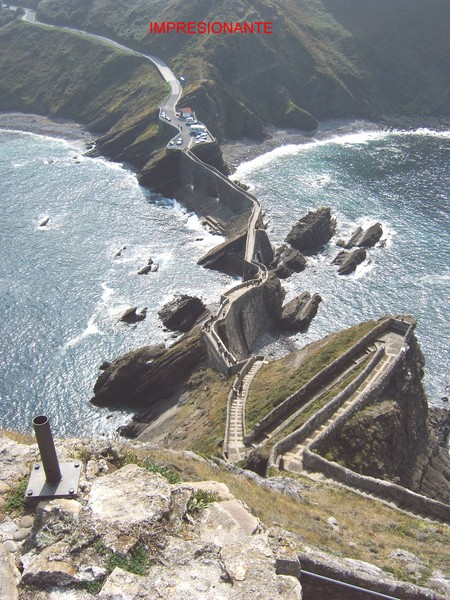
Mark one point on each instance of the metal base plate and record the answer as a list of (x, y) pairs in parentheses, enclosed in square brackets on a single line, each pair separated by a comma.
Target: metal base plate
[(67, 487)]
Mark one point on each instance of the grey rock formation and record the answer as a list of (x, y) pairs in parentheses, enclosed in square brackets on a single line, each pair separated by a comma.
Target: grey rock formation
[(348, 261), (144, 376), (274, 295), (287, 261), (299, 312), (182, 312), (131, 315), (363, 238), (312, 231), (150, 267), (217, 550)]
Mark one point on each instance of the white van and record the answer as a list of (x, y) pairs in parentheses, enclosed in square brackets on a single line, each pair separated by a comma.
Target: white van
[(194, 129)]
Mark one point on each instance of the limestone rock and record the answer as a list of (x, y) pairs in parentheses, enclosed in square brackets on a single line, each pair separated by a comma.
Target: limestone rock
[(131, 315), (15, 459), (299, 312), (130, 499), (289, 587), (333, 522), (363, 238), (312, 231), (122, 585), (287, 261), (8, 576), (348, 261), (182, 312)]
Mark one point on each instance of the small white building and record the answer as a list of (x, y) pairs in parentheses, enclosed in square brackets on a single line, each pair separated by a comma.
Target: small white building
[(186, 112)]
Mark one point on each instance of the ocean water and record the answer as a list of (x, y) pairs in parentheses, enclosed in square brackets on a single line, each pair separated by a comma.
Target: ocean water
[(62, 287), (401, 179)]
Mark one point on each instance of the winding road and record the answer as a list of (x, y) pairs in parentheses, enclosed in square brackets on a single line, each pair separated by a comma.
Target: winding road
[(176, 89)]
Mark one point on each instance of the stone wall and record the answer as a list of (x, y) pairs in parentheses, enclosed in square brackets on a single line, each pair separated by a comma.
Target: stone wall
[(206, 180), (387, 490), (246, 320)]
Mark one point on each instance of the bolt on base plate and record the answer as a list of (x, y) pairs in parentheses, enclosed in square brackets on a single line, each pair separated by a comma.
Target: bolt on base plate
[(67, 487)]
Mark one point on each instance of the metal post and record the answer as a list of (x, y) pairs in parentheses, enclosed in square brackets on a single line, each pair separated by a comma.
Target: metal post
[(47, 449), (50, 478)]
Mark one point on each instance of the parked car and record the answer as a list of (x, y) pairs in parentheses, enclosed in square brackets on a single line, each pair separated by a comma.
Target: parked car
[(179, 141)]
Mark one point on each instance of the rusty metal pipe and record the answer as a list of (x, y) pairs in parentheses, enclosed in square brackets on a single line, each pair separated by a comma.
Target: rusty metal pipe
[(47, 449)]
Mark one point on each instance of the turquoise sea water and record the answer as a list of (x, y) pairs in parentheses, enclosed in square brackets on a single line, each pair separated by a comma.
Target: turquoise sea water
[(400, 179), (62, 287)]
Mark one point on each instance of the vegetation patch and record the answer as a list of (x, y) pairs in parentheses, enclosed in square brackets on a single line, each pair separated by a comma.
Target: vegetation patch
[(201, 500), (321, 401), (15, 499), (137, 561)]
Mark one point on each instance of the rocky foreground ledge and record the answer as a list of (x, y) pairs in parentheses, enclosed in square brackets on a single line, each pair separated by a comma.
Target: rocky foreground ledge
[(132, 534)]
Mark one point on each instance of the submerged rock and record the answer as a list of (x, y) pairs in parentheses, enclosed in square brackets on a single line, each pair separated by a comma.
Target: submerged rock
[(149, 267), (287, 261), (362, 238), (348, 261), (181, 313), (131, 315), (299, 312), (312, 231)]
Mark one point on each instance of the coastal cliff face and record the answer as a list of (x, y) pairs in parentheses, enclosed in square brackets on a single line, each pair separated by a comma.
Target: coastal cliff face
[(336, 58), (399, 438), (62, 75)]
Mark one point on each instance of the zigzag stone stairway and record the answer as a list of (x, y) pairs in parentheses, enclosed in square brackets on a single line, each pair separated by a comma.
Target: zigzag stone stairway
[(393, 343)]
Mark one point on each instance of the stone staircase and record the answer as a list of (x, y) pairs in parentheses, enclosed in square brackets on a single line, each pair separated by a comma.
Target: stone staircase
[(236, 419)]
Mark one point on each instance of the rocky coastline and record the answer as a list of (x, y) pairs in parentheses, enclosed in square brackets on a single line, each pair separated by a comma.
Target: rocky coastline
[(169, 369)]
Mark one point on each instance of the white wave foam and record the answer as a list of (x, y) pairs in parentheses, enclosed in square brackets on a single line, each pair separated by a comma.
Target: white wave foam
[(423, 131), (107, 292), (68, 143), (362, 137), (91, 329), (363, 269)]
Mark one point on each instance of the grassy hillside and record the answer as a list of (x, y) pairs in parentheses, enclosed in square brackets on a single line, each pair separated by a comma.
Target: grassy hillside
[(326, 58), (60, 74)]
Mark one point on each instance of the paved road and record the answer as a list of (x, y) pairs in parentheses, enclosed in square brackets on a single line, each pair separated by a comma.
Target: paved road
[(175, 87)]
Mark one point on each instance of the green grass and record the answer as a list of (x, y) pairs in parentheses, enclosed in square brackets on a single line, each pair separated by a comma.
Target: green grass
[(281, 378), (15, 499), (61, 74), (201, 500), (137, 562)]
